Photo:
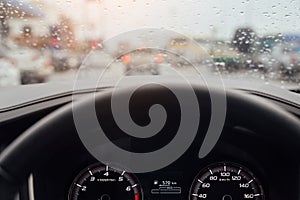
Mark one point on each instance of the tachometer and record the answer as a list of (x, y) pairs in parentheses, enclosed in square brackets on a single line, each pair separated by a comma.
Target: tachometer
[(226, 181), (100, 182)]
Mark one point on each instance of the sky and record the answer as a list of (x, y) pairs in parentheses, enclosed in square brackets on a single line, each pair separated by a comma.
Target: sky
[(217, 18)]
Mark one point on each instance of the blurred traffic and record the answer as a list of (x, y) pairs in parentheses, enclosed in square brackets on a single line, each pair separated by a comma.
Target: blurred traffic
[(27, 57)]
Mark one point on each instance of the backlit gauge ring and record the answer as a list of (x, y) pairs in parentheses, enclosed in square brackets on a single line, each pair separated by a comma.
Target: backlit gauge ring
[(226, 181), (100, 182)]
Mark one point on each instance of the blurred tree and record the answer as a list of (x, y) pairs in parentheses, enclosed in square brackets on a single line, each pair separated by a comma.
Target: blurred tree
[(62, 34), (244, 40)]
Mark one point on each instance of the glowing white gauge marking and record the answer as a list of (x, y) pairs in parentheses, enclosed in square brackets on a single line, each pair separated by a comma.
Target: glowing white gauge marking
[(225, 169), (106, 168), (123, 173), (91, 173), (200, 181), (134, 186), (78, 185)]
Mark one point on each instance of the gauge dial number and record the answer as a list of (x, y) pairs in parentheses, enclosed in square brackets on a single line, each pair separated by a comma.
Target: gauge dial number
[(226, 181), (100, 182)]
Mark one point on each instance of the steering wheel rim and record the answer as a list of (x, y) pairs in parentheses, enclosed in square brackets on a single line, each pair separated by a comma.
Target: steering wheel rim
[(17, 160)]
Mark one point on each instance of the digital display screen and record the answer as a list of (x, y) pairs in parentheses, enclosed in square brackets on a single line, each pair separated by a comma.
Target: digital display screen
[(165, 189)]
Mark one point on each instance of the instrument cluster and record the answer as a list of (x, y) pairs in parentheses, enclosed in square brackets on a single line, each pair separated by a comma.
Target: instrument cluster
[(220, 180)]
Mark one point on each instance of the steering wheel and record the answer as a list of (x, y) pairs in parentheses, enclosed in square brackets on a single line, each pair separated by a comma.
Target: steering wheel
[(49, 135)]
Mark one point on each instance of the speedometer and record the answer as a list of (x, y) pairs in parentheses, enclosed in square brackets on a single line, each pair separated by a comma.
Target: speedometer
[(226, 181), (100, 182)]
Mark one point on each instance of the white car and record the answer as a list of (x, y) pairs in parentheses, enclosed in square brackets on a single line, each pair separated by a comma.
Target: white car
[(145, 61), (35, 65), (9, 73)]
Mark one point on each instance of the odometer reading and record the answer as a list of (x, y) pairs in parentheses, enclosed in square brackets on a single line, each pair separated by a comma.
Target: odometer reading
[(226, 181), (100, 182)]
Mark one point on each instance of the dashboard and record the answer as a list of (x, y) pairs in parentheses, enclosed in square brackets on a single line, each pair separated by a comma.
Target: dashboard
[(247, 162), (238, 169)]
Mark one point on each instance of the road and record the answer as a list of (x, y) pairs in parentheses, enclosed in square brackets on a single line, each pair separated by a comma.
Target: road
[(117, 70)]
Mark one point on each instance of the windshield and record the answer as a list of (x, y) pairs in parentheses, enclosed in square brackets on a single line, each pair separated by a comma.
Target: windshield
[(52, 41)]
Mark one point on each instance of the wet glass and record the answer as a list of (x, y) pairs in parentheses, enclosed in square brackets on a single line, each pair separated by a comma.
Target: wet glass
[(48, 41)]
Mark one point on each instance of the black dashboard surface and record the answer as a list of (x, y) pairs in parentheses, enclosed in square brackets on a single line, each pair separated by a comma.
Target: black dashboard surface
[(277, 171)]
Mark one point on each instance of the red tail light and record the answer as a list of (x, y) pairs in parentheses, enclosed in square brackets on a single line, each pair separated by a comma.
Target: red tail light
[(159, 58), (126, 59)]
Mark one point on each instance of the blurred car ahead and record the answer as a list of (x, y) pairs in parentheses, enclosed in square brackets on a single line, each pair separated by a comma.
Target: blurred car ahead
[(9, 73), (63, 60), (35, 65), (144, 61), (282, 59)]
